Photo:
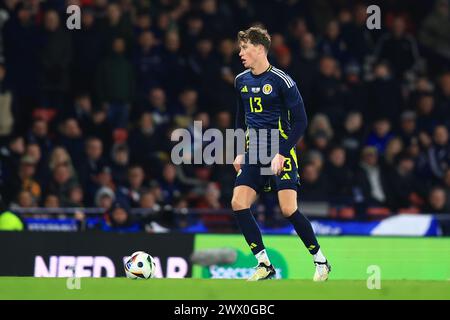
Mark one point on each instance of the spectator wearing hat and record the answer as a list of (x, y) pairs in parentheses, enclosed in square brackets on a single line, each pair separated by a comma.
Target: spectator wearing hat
[(118, 219), (104, 198)]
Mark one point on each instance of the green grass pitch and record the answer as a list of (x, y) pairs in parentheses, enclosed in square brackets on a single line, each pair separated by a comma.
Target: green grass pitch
[(203, 289)]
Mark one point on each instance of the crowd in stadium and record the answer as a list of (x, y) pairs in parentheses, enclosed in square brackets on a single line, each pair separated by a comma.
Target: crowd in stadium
[(86, 115)]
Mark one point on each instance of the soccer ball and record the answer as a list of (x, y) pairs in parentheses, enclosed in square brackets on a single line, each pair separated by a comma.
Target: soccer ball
[(140, 265)]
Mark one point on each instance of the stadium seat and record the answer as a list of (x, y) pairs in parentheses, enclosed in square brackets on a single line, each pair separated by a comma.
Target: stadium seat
[(378, 212), (347, 213), (46, 114), (410, 210)]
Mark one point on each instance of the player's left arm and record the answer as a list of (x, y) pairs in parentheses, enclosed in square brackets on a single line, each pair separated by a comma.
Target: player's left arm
[(299, 121)]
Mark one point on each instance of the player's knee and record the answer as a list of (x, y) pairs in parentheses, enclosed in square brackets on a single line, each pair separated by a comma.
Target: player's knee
[(239, 204), (288, 210)]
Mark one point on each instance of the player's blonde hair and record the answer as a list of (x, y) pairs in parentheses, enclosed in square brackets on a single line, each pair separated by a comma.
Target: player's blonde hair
[(255, 35)]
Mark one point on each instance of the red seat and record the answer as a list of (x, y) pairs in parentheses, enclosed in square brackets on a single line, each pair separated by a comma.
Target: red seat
[(347, 213), (378, 212), (44, 114), (410, 210)]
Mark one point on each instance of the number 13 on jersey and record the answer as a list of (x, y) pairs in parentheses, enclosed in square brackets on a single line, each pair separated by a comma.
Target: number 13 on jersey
[(255, 104)]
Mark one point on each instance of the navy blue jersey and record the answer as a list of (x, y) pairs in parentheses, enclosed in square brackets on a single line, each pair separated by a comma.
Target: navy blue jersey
[(271, 100)]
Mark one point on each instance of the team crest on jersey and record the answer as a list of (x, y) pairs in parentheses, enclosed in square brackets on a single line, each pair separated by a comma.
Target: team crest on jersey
[(267, 89), (256, 89)]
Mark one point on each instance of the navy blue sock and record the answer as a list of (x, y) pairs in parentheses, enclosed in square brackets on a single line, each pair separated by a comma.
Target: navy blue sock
[(250, 230), (305, 231)]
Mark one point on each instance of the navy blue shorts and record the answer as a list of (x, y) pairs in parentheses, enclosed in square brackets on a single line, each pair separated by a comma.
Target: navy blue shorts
[(250, 175)]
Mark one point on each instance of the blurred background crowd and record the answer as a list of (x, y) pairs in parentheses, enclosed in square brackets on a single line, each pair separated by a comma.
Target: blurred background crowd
[(86, 115)]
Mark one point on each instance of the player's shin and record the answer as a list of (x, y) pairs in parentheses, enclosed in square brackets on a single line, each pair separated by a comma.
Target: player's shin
[(305, 231), (252, 234)]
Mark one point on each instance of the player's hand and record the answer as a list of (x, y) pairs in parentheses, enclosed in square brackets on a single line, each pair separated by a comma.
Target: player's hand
[(277, 164), (238, 161)]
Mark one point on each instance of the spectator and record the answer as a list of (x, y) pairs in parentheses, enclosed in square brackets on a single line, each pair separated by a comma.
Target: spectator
[(21, 43), (91, 167), (428, 116), (24, 180), (327, 92), (333, 44), (120, 161), (405, 188), (130, 193), (143, 142), (393, 148), (434, 35), (338, 176), (34, 151), (399, 49), (6, 106), (72, 140), (371, 179), (444, 97), (385, 98), (184, 116), (313, 185), (8, 220), (39, 133), (436, 202), (115, 84), (174, 63), (55, 57), (76, 197), (62, 182), (158, 106), (87, 51), (118, 219), (408, 127), (9, 160), (308, 61), (380, 135), (169, 185), (436, 159), (352, 136), (104, 198), (148, 63)]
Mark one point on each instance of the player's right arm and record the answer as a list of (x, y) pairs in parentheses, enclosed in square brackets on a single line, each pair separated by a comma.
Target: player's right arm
[(239, 124)]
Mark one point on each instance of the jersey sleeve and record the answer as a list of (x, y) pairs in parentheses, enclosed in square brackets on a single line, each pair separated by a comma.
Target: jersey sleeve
[(299, 121), (240, 111)]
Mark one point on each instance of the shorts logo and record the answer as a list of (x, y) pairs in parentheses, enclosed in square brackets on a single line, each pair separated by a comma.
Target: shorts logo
[(267, 89), (256, 90)]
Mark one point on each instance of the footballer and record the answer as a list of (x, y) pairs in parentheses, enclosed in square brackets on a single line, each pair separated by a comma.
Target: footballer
[(268, 99)]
